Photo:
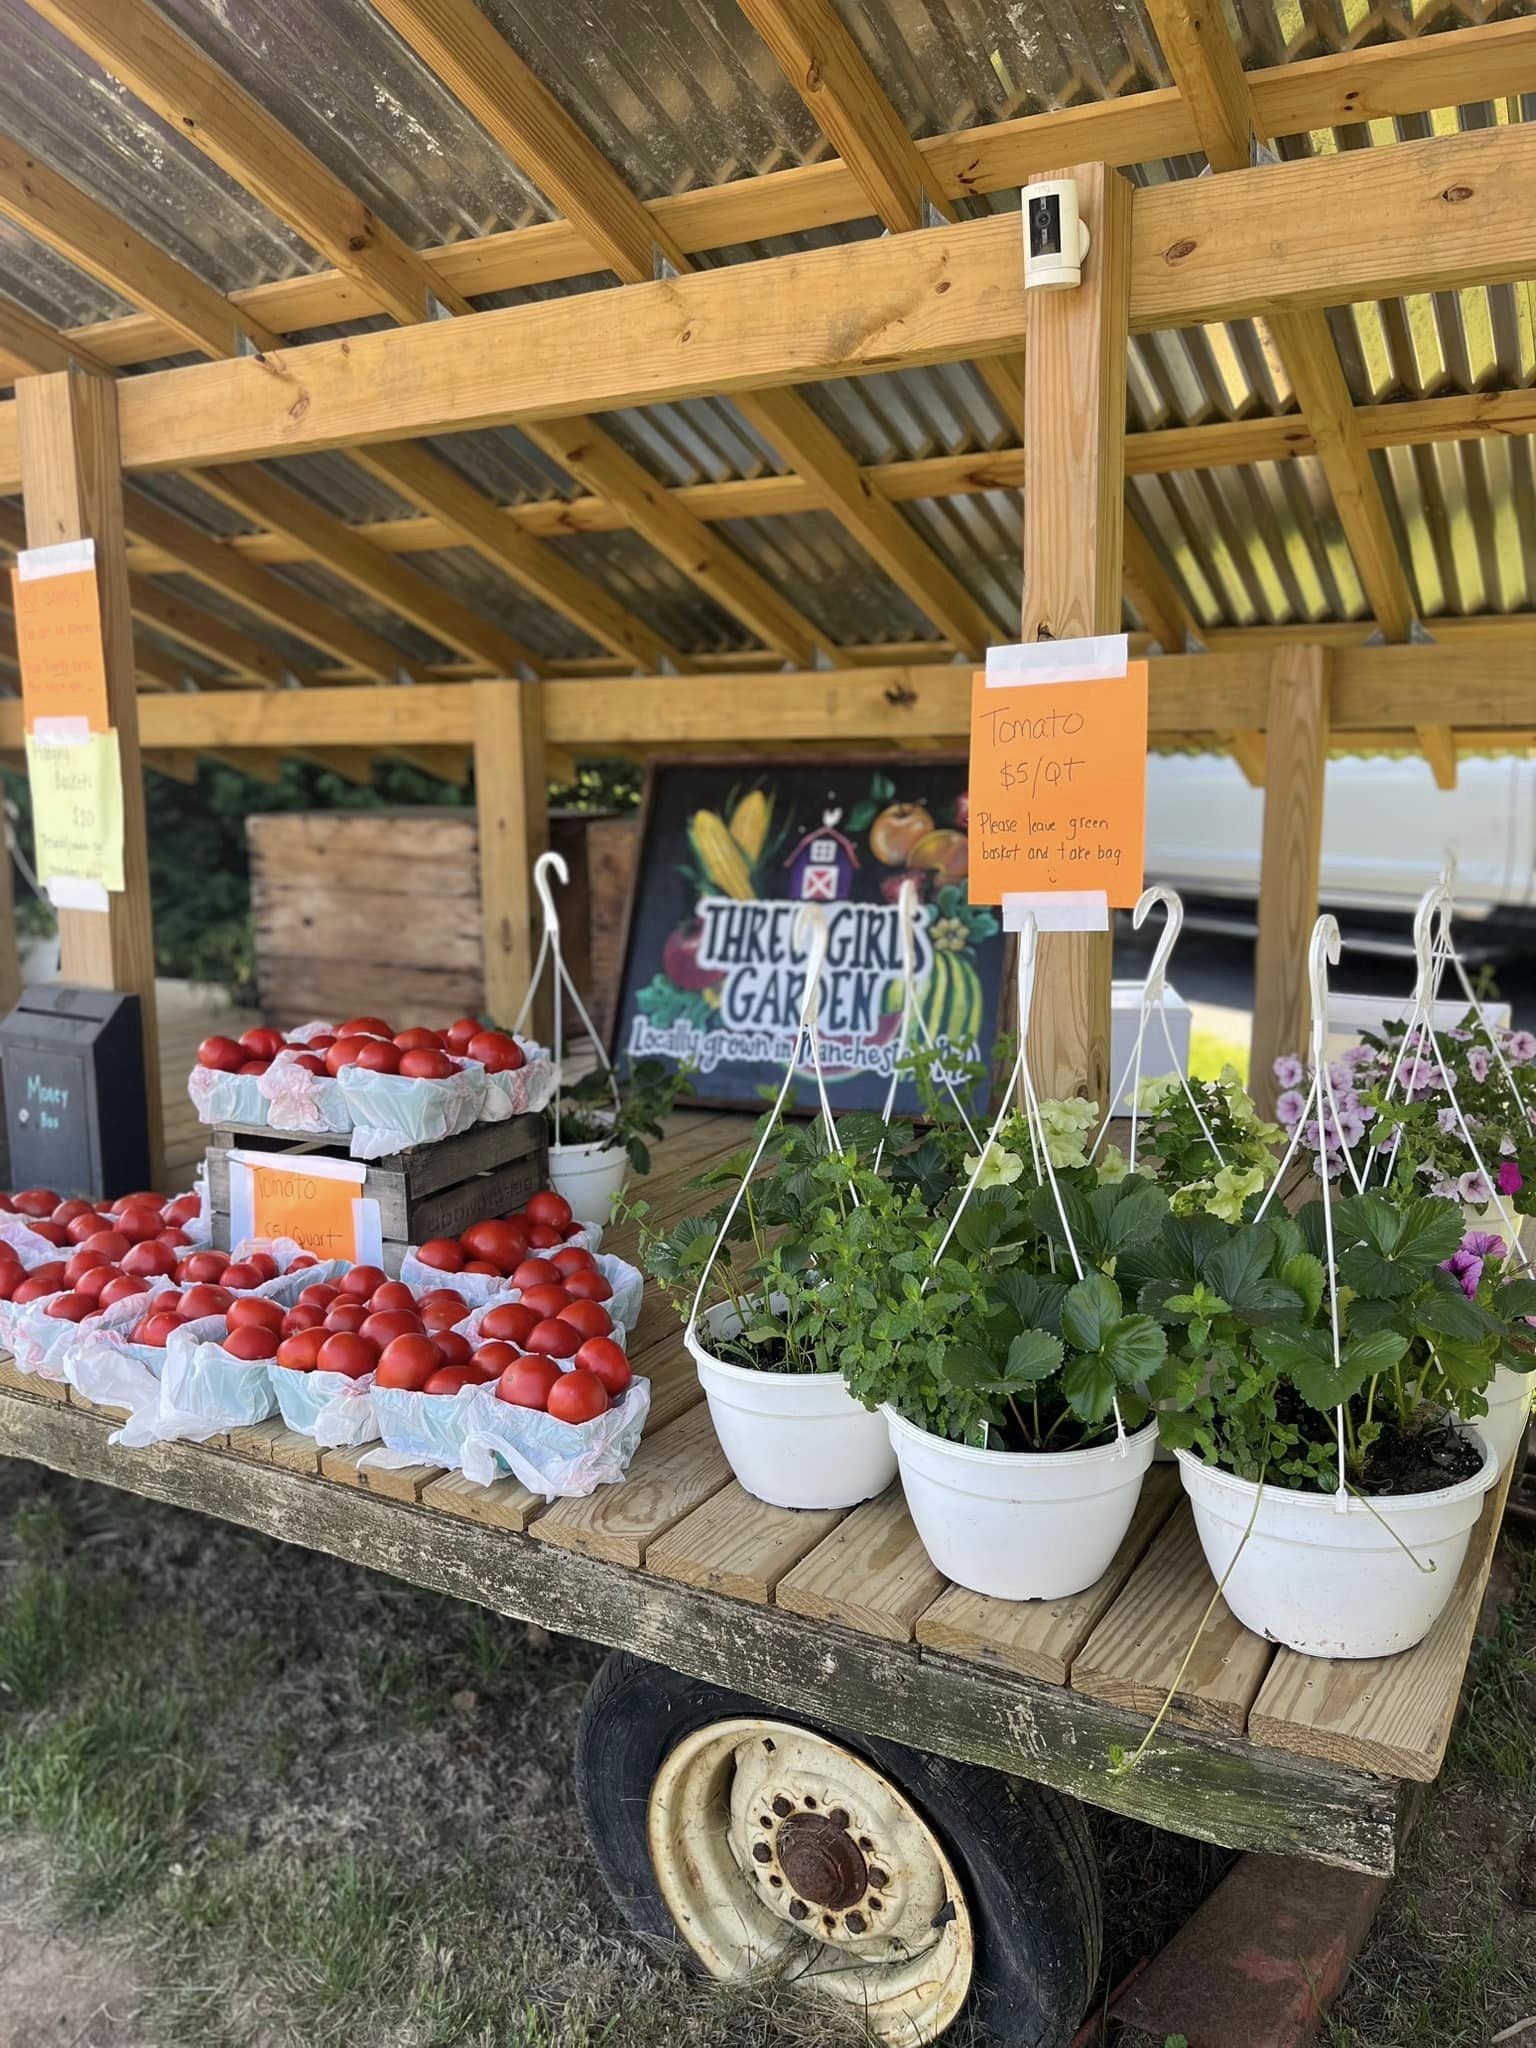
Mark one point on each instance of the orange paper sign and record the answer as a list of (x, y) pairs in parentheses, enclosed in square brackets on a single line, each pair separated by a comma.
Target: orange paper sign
[(313, 1209), (1058, 787), (58, 638)]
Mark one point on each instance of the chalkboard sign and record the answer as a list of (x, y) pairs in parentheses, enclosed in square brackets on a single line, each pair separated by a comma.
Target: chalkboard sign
[(76, 1110), (730, 849)]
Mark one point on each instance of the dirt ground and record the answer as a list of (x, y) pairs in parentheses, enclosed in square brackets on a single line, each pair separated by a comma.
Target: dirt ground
[(254, 1798)]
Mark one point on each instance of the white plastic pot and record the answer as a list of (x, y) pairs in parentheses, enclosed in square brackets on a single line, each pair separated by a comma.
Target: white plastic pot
[(591, 1178), (1332, 1584), (1020, 1525), (793, 1439), (1509, 1408)]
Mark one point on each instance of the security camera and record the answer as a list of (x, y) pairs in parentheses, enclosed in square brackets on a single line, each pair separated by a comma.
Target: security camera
[(1055, 240)]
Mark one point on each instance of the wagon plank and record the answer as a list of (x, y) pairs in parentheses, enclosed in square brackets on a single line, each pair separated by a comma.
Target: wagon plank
[(872, 1573), (735, 1544), (672, 1473)]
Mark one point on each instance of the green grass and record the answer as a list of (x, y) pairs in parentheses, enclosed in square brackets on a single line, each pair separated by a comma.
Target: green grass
[(1209, 1052), (318, 1807)]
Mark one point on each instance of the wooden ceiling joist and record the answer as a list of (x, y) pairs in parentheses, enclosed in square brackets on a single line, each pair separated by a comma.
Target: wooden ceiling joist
[(1488, 62), (30, 346), (465, 52)]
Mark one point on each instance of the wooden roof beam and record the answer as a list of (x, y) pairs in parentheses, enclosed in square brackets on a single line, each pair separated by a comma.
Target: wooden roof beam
[(1208, 71), (465, 51)]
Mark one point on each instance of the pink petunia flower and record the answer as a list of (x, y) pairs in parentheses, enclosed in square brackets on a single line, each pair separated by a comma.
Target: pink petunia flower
[(1511, 1179), (1289, 1071)]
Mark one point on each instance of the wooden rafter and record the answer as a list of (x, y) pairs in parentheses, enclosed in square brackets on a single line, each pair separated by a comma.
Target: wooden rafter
[(168, 72), (1205, 65), (464, 50), (1451, 69), (30, 346)]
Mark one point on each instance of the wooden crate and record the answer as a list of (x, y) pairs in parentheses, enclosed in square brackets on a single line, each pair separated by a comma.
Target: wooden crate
[(428, 1191), (359, 911)]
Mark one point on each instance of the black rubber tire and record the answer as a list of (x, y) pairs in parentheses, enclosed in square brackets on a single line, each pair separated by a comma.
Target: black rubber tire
[(1023, 1853)]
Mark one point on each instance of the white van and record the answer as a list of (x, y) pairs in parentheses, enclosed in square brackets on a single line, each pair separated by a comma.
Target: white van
[(1386, 832)]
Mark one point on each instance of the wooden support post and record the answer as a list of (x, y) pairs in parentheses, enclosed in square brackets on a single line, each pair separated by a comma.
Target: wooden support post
[(72, 489), (1074, 521), (10, 959), (1297, 752), (514, 831)]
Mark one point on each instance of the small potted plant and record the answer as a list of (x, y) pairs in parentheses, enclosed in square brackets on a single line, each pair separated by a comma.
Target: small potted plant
[(599, 1127), (1278, 1372), (763, 1334), (1016, 1390)]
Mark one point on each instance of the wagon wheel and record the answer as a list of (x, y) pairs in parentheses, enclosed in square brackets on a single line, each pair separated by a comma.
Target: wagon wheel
[(904, 1885)]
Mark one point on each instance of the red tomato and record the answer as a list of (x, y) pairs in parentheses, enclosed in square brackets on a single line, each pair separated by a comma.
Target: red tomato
[(554, 1339), (11, 1277), (364, 1027), (148, 1195), (494, 1242), (577, 1396), (302, 1259), (588, 1318), (547, 1300), (318, 1294), (526, 1383), (419, 1039), (183, 1210), (497, 1051), (537, 1273), (451, 1379), (76, 1231), (444, 1297), (426, 1065), (300, 1350), (544, 1237), (606, 1361), (251, 1343), (36, 1202), (120, 1288), (70, 1308), (408, 1363), (7, 1205), (311, 1062), (548, 1207), (301, 1317), (344, 1351), (518, 1225), (33, 1288), (261, 1042), (437, 1315), (255, 1312), (484, 1268), (346, 1315), (262, 1263), (392, 1295), (458, 1035), (574, 1259), (511, 1322), (224, 1055), (91, 1283), (493, 1359), (442, 1254), (255, 1067), (139, 1221), (66, 1212), (155, 1330), (358, 1283), (379, 1056), (342, 1054), (239, 1278), (588, 1287), (204, 1300), (384, 1325), (150, 1258), (80, 1263), (111, 1242), (202, 1266), (175, 1239), (321, 1041), (452, 1348)]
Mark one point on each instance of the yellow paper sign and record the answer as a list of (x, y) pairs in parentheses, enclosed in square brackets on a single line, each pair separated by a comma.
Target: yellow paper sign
[(313, 1209), (58, 640), (77, 809), (1058, 787)]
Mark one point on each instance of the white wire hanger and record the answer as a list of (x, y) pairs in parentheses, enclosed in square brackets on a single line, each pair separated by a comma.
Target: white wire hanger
[(907, 919), (1154, 1000), (546, 865)]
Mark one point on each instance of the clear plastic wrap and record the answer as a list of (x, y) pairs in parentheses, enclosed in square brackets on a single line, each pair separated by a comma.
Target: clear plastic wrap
[(560, 1460)]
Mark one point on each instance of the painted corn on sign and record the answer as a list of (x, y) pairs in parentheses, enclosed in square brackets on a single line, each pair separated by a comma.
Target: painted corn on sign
[(714, 973)]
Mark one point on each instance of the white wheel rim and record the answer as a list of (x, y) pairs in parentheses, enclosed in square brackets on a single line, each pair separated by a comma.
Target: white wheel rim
[(782, 1855)]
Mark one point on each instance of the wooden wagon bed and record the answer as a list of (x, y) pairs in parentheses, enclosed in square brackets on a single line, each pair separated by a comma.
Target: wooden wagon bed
[(840, 1614)]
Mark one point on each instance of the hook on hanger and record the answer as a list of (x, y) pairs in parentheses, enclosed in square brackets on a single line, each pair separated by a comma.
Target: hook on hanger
[(1323, 951), (546, 865), (1173, 904)]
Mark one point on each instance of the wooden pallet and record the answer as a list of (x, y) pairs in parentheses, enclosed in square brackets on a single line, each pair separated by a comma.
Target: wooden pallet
[(842, 1614)]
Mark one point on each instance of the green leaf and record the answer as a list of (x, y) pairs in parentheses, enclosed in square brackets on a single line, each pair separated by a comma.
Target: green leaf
[(1133, 1349), (1305, 1276), (1090, 1311), (1034, 1356), (1516, 1298), (1448, 1313), (1089, 1386)]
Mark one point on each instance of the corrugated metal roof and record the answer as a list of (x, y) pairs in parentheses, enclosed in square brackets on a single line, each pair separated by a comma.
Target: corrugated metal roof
[(681, 94)]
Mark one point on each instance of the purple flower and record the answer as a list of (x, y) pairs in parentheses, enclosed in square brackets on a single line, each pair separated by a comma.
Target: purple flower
[(1290, 1106), (1467, 1268), (1461, 1037), (1448, 1122), (1485, 1244), (1356, 1056), (1521, 1047), (1289, 1071), (1351, 1127), (1473, 1189), (1511, 1179), (1477, 1063)]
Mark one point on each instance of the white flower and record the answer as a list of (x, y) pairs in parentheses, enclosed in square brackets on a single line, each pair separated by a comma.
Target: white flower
[(999, 1170), (1154, 1090), (1112, 1165), (1473, 1189)]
